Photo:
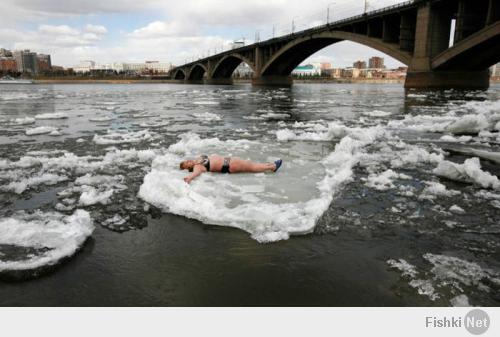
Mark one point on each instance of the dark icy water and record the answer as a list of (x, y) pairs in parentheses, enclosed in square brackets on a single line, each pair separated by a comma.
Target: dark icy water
[(385, 198)]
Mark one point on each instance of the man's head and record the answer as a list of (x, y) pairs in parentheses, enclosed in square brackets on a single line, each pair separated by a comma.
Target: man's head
[(187, 165)]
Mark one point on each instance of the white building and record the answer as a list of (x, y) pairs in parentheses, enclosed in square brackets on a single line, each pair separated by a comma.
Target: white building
[(85, 66), (307, 70), (148, 66)]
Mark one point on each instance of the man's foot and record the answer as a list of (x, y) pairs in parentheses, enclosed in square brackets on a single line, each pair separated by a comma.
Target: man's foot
[(278, 164)]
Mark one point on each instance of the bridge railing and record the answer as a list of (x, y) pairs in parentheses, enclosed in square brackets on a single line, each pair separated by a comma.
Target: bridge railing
[(332, 15)]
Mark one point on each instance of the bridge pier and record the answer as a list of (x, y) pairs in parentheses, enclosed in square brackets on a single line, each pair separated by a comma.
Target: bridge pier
[(275, 81), (447, 79), (219, 81)]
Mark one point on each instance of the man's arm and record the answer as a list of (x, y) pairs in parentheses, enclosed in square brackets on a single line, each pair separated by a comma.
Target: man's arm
[(197, 170)]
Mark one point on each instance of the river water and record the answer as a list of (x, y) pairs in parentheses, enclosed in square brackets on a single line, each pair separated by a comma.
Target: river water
[(385, 198)]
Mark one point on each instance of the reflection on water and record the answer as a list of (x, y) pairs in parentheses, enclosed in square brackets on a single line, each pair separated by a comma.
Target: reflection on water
[(379, 202)]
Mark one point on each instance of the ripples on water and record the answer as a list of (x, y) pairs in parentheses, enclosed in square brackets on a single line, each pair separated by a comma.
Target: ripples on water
[(364, 161)]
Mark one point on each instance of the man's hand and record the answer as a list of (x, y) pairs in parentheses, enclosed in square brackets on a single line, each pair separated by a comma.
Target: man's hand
[(187, 179)]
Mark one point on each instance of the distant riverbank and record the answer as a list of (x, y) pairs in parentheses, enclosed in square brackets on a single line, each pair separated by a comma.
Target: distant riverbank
[(236, 81), (97, 81)]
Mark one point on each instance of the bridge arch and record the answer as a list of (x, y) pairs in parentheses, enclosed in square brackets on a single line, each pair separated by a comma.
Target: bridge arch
[(478, 51), (292, 54), (226, 65), (197, 72), (179, 74)]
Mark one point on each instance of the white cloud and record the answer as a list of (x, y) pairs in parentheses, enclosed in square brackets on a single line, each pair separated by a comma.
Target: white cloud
[(96, 29), (162, 29), (58, 30)]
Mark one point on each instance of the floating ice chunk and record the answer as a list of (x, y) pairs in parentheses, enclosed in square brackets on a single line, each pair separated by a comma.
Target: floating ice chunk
[(451, 139), (54, 115), (92, 196), (154, 124), (413, 155), (55, 133), (416, 95), (425, 287), (206, 103), (265, 219), (122, 137), (98, 180), (470, 171), (406, 268), (334, 130), (40, 130), (497, 126), (468, 124), (207, 116), (54, 236), (384, 180), (116, 221), (457, 209), (488, 155), (435, 189), (64, 208), (460, 301), (423, 123), (24, 184), (275, 116), (23, 121), (80, 140), (448, 268), (377, 113), (101, 119)]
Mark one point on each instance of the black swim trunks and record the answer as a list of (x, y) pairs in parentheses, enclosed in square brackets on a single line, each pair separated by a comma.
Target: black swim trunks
[(225, 166)]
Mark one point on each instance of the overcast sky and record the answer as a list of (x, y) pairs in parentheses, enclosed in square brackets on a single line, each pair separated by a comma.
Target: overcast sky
[(167, 30)]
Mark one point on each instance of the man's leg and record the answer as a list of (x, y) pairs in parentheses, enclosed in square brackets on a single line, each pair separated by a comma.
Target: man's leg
[(240, 165)]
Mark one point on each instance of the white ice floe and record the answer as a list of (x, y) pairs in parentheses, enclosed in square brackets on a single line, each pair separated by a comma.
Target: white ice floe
[(267, 218), (122, 137), (92, 196), (55, 133), (22, 185), (406, 268), (207, 116), (101, 119), (100, 180), (116, 220), (457, 209), (55, 235), (426, 288), (468, 124), (435, 189), (22, 121), (449, 268), (334, 130), (460, 301), (470, 171), (40, 130), (385, 180), (377, 113), (206, 103), (275, 116), (451, 139), (483, 154), (52, 115)]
